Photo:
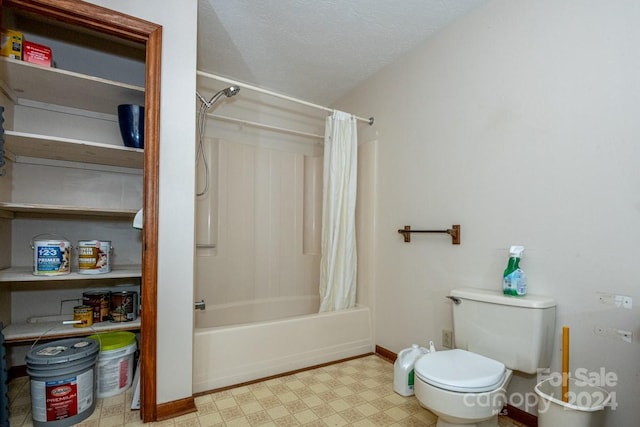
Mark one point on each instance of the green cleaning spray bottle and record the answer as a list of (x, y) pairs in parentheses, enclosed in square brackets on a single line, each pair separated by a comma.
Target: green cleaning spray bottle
[(514, 281)]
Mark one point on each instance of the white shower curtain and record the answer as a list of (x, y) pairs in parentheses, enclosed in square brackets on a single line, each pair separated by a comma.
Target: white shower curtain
[(338, 257)]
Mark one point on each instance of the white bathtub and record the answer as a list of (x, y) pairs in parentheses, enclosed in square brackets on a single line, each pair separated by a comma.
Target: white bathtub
[(229, 355)]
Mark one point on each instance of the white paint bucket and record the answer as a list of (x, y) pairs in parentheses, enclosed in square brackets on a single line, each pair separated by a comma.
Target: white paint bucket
[(63, 381), (115, 362), (94, 256), (51, 257)]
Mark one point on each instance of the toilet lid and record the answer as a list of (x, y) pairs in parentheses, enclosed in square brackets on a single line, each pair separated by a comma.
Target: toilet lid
[(460, 370)]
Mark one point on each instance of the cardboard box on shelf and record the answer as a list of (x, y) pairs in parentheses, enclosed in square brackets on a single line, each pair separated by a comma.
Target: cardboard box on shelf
[(36, 53), (11, 44)]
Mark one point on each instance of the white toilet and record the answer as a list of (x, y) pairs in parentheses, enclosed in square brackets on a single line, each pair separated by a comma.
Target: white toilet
[(494, 335)]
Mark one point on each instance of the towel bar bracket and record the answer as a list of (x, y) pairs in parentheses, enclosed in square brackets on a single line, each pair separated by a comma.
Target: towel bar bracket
[(454, 232)]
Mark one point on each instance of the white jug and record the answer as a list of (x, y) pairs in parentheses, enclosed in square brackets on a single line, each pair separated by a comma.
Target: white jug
[(403, 375)]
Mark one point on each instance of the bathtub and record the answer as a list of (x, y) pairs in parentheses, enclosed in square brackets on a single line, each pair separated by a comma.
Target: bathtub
[(233, 354)]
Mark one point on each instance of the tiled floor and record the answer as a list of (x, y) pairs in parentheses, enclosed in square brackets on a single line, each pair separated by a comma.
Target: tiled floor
[(358, 392)]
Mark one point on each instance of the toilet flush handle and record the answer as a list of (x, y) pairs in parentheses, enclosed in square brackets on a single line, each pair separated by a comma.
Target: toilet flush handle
[(455, 300)]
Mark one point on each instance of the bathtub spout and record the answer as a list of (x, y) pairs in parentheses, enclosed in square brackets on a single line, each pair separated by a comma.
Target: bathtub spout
[(200, 305)]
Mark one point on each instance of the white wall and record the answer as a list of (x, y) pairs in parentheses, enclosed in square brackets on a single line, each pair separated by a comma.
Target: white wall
[(519, 122), (176, 220)]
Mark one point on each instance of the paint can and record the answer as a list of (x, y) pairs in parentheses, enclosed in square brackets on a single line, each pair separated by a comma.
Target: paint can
[(124, 306), (94, 256), (115, 362), (63, 381), (99, 302), (83, 313), (51, 257)]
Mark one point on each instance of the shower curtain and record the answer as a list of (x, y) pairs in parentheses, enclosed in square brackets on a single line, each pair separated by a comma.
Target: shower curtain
[(338, 257)]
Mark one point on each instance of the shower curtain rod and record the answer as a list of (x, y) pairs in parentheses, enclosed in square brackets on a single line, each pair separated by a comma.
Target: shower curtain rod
[(276, 94)]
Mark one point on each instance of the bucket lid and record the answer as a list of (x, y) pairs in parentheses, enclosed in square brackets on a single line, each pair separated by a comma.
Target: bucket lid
[(114, 340), (62, 351)]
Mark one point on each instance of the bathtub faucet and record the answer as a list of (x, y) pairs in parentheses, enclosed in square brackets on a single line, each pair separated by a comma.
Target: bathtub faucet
[(200, 305)]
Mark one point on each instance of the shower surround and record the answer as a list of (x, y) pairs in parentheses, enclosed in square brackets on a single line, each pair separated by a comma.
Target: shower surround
[(256, 222)]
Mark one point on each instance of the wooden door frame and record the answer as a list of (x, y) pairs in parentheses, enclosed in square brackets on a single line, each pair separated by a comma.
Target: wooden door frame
[(98, 18)]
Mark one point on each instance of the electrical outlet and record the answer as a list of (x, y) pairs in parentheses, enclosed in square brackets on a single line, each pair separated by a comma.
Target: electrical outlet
[(447, 338)]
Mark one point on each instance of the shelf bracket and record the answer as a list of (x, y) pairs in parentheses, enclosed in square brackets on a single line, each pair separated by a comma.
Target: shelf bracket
[(454, 232)]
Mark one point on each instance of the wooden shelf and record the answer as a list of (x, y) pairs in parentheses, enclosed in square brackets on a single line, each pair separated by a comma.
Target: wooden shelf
[(24, 274), (75, 150), (29, 332), (13, 210), (67, 88)]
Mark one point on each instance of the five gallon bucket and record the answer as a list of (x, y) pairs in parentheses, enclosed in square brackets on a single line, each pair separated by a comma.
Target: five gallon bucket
[(63, 381), (51, 257), (115, 362), (94, 256), (584, 407)]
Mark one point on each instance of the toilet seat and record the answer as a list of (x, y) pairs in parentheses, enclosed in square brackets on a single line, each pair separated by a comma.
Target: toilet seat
[(460, 370)]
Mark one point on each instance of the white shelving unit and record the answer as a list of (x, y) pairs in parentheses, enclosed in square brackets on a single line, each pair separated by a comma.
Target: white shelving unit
[(21, 80)]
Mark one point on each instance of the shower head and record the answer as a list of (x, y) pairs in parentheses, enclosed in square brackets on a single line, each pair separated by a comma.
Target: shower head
[(231, 91), (228, 92)]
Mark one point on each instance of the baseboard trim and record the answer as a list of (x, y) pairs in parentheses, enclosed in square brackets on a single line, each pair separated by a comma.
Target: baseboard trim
[(386, 354), (512, 412), (176, 408), (520, 416)]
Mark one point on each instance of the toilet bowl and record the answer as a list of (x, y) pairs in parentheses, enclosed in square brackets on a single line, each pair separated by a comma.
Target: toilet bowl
[(461, 387)]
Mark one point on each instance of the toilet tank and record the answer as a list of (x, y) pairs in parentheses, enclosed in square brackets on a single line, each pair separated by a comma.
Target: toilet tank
[(517, 331)]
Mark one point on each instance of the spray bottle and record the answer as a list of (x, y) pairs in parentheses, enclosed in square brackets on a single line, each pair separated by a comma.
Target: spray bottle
[(514, 281)]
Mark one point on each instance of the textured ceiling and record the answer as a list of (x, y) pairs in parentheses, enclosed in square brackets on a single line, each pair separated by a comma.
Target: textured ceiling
[(316, 50)]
